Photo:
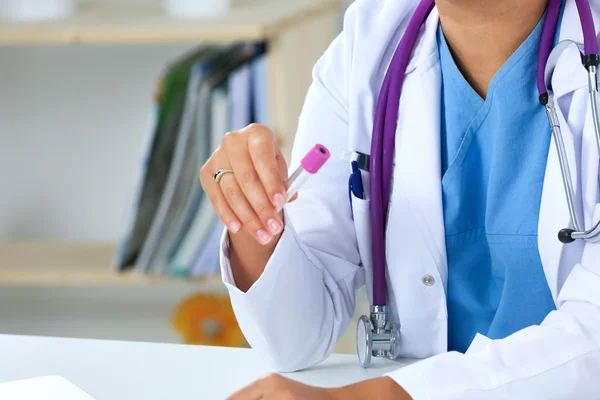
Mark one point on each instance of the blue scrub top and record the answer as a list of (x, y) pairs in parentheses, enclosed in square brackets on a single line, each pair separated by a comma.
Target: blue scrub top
[(494, 155)]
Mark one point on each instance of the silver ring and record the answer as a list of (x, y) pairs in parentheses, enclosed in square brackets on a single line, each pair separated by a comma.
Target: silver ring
[(219, 174)]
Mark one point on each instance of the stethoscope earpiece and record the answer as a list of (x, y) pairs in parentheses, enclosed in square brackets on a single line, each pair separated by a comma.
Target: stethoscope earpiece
[(566, 236)]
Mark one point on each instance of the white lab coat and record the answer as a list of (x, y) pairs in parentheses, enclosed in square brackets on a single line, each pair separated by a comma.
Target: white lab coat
[(302, 304)]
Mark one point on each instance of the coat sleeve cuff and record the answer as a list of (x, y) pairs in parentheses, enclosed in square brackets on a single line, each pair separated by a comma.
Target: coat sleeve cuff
[(225, 262)]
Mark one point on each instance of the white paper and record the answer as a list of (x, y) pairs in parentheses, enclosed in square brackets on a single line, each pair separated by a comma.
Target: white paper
[(479, 343), (46, 388)]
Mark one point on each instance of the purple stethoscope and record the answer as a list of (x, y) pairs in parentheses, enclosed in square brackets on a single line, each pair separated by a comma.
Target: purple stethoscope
[(376, 336)]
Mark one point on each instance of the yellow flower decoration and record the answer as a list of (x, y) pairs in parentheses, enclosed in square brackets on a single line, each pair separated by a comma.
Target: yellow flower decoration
[(208, 319)]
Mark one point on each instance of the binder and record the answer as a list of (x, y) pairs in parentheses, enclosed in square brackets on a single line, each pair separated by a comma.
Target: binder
[(204, 219), (180, 163), (241, 106), (171, 227), (157, 155), (174, 209), (259, 95)]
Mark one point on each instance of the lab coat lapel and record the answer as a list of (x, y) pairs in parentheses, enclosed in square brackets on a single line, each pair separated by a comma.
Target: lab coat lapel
[(417, 197), (554, 215), (564, 80), (569, 76)]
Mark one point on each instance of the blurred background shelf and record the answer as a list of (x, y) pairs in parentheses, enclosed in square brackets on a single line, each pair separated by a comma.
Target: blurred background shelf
[(255, 20), (73, 264), (77, 87), (72, 117)]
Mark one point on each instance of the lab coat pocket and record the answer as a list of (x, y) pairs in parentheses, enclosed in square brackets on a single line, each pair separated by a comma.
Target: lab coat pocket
[(362, 225)]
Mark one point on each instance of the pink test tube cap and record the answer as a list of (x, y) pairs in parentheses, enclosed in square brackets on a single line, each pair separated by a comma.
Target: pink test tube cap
[(315, 159)]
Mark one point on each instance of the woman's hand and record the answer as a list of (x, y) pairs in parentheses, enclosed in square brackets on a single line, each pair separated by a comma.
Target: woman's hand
[(249, 197), (248, 200), (276, 387)]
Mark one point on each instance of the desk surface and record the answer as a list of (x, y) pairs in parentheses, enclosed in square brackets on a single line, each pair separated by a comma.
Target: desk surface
[(110, 370)]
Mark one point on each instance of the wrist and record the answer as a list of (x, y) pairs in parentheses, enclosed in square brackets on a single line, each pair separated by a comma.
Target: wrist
[(248, 258)]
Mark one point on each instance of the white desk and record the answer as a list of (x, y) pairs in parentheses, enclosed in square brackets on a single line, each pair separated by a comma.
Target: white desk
[(122, 370)]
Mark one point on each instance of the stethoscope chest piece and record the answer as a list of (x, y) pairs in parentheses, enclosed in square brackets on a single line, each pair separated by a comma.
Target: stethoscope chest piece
[(375, 337)]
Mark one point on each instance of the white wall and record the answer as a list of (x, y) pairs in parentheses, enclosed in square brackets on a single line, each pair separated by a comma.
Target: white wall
[(100, 312), (71, 123)]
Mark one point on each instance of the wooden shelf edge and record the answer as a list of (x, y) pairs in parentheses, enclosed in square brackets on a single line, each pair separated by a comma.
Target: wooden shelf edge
[(10, 277), (159, 29), (134, 35), (72, 264), (275, 29)]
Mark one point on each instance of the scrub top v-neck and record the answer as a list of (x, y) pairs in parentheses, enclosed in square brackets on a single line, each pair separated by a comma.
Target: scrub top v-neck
[(494, 155)]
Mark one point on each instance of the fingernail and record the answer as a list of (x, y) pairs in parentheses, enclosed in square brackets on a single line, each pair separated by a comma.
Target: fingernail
[(234, 227), (274, 226), (279, 200), (263, 236)]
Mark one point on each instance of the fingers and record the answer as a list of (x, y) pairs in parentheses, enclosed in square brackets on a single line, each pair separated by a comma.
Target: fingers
[(230, 202), (251, 392), (219, 202), (267, 160), (244, 210), (277, 387), (254, 188), (258, 390), (249, 197)]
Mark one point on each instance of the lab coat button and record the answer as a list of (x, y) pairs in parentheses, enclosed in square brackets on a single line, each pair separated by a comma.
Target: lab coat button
[(428, 280)]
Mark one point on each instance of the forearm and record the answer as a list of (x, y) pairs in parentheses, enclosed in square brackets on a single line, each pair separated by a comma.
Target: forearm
[(315, 287)]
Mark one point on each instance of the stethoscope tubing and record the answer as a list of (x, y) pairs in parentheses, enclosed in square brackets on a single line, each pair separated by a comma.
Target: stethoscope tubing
[(577, 233), (383, 145)]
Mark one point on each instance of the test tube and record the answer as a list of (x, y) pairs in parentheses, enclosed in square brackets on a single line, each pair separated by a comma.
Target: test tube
[(310, 165)]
